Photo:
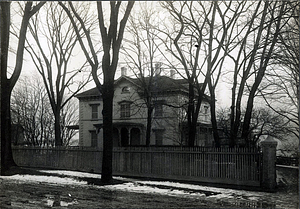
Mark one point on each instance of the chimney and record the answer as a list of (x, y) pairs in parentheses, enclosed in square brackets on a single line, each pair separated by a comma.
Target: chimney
[(157, 68), (172, 74), (123, 71)]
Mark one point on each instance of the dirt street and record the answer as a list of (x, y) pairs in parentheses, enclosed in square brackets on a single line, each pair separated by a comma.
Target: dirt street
[(44, 195), (31, 188)]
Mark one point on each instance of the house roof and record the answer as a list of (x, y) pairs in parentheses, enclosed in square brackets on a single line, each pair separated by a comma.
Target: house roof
[(159, 84), (89, 93)]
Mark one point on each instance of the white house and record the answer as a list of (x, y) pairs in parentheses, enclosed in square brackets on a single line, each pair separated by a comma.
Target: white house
[(130, 114)]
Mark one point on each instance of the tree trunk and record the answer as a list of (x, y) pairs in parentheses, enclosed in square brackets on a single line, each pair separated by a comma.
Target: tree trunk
[(6, 153), (4, 40), (234, 126), (192, 134), (248, 113), (107, 95), (234, 129), (214, 120), (193, 112), (192, 126), (6, 128), (57, 129), (149, 124)]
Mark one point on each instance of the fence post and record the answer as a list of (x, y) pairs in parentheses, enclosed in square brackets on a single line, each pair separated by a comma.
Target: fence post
[(1, 158), (1, 172), (269, 163)]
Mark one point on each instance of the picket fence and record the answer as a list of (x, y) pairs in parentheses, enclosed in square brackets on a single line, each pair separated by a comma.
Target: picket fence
[(239, 166)]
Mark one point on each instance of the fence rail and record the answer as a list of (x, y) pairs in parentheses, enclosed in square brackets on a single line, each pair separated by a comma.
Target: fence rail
[(230, 166)]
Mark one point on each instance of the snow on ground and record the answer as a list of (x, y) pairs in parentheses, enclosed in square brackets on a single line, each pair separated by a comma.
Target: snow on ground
[(72, 173), (133, 185), (170, 188), (175, 188), (44, 179)]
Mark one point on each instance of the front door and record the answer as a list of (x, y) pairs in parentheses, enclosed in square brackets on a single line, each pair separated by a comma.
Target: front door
[(124, 137), (135, 136)]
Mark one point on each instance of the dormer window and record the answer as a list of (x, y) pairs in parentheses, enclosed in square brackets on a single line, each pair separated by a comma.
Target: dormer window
[(126, 89), (205, 109)]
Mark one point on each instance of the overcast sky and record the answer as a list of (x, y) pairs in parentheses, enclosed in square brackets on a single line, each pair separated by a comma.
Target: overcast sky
[(223, 90)]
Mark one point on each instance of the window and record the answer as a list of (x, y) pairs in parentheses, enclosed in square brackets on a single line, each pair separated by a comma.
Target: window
[(205, 109), (158, 108), (94, 108), (158, 111), (126, 89), (159, 137), (125, 110), (94, 139)]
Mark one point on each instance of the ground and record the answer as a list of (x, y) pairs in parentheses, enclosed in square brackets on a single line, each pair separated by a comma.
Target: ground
[(69, 189)]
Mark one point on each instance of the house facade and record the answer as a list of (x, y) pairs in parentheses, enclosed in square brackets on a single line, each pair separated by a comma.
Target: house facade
[(168, 98)]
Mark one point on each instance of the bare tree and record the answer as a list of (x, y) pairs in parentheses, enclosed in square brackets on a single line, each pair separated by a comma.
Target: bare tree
[(180, 43), (280, 88), (111, 37), (263, 122), (8, 83), (141, 54), (251, 60), (266, 122), (31, 111), (56, 43), (222, 43), (32, 114), (69, 118), (206, 26), (276, 12)]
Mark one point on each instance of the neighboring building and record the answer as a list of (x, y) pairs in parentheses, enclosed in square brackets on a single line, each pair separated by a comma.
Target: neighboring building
[(130, 114)]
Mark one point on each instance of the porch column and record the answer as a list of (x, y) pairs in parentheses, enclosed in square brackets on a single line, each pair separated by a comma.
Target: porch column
[(269, 163), (129, 136), (141, 136), (119, 140)]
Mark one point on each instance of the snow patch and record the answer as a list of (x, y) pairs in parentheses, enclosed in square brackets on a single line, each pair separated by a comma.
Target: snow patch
[(140, 186), (72, 173), (134, 187), (44, 179), (151, 187)]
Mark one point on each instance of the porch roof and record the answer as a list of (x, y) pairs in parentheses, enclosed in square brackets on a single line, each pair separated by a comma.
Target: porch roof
[(118, 124)]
